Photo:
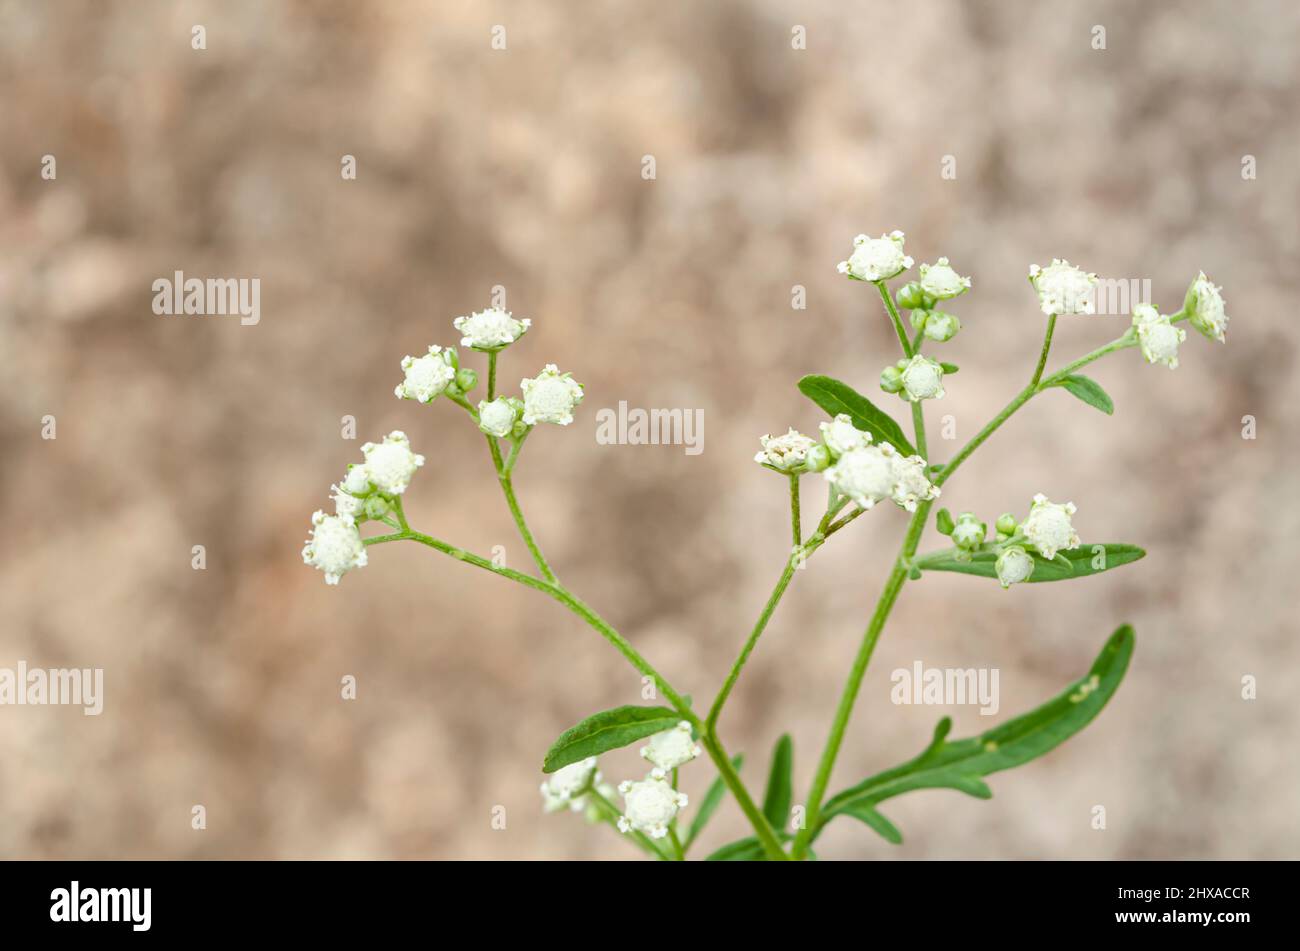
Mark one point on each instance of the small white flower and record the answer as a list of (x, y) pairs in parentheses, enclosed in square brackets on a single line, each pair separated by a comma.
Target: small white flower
[(648, 806), (865, 475), (941, 282), (922, 379), (968, 534), (563, 786), (841, 436), (787, 452), (550, 397), (1158, 337), (498, 417), (1063, 288), (390, 464), (670, 749), (356, 481), (490, 329), (1204, 306), (1048, 526), (335, 546), (346, 505), (876, 259), (911, 485), (426, 377), (1013, 566)]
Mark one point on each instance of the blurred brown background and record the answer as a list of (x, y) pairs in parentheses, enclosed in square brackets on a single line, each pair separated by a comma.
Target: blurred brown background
[(522, 168)]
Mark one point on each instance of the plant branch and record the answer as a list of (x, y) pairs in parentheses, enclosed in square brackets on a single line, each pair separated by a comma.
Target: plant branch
[(893, 315)]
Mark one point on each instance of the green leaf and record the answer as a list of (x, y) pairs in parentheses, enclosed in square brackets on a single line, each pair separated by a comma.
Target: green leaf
[(709, 805), (960, 764), (836, 397), (608, 730), (1088, 390), (1076, 563), (949, 368), (871, 817), (943, 522), (742, 850), (780, 783)]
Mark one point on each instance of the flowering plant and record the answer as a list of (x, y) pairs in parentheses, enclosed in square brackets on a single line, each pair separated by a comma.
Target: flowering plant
[(866, 459)]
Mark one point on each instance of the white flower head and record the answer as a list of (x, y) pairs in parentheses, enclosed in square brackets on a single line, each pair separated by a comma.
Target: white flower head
[(841, 436), (1157, 335), (786, 453), (490, 329), (390, 464), (498, 417), (648, 806), (426, 377), (356, 481), (941, 325), (941, 282), (1013, 566), (922, 379), (1204, 306), (876, 259), (670, 749), (865, 475), (335, 546), (550, 397), (1063, 288), (1048, 527), (564, 785), (911, 484)]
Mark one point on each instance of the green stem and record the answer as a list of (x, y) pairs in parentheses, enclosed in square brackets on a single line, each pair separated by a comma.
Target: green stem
[(893, 585), (1023, 397), (893, 315), (514, 451), (492, 375), (918, 423), (1047, 346), (796, 524)]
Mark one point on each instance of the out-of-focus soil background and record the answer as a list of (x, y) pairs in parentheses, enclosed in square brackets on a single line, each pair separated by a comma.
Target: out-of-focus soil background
[(522, 168)]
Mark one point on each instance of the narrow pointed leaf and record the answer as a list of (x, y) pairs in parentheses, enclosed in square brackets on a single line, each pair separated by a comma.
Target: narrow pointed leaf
[(709, 804), (960, 764), (1088, 390), (868, 814), (1077, 563), (836, 397), (608, 730), (780, 783)]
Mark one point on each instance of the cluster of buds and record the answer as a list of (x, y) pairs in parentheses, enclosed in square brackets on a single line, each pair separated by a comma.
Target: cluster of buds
[(1046, 531), (650, 805), (855, 467), (939, 282)]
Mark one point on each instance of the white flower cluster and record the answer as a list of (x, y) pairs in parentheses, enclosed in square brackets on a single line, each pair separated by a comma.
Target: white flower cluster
[(650, 805), (869, 473), (1064, 289), (876, 259), (1157, 336), (1048, 529), (1204, 307), (366, 491), (490, 330)]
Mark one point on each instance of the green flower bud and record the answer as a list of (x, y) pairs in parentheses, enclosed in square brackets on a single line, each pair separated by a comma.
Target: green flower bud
[(912, 296), (377, 507), (450, 358), (969, 533), (918, 318), (891, 379), (941, 325), (819, 457), (466, 380), (1006, 524)]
